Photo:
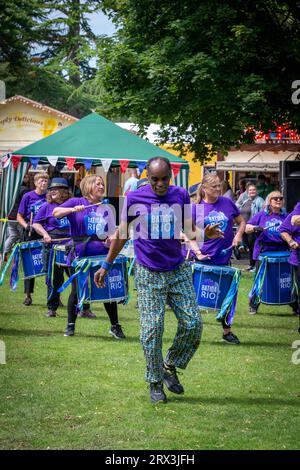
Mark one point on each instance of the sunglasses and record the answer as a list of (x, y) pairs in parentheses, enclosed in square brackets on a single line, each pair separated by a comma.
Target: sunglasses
[(279, 198)]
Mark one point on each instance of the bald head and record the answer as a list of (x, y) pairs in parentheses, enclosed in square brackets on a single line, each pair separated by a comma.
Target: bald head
[(159, 173)]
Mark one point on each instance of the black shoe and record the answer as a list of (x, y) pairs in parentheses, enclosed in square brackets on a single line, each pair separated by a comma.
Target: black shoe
[(70, 331), (171, 380), (252, 310), (116, 331), (27, 301), (230, 338), (157, 394)]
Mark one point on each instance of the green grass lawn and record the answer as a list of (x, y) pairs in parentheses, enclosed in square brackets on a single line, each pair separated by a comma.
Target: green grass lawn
[(88, 391)]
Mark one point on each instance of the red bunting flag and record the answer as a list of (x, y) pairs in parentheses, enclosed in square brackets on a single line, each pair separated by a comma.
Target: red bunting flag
[(124, 164), (15, 159), (175, 168), (70, 161)]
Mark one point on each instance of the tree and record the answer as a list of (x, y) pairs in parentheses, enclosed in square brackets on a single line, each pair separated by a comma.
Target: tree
[(46, 50), (205, 70)]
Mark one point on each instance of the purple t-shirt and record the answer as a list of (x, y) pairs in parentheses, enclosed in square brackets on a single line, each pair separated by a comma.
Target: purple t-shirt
[(158, 221), (269, 239), (30, 203), (294, 232), (97, 222), (223, 211), (49, 223)]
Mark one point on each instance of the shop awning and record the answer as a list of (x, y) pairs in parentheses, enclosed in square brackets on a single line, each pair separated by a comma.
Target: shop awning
[(257, 159)]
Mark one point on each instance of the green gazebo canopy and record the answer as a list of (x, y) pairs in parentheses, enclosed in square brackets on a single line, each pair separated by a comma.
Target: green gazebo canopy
[(95, 138)]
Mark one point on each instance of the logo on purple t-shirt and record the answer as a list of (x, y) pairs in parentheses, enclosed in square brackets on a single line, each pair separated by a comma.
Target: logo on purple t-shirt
[(215, 217), (272, 226), (161, 223), (95, 224), (63, 222)]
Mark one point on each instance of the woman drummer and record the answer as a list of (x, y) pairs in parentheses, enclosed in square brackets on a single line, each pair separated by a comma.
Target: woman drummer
[(89, 228), (51, 228), (266, 224), (217, 209)]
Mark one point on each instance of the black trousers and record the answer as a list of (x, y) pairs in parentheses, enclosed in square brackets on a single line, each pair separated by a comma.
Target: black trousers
[(110, 307), (249, 240)]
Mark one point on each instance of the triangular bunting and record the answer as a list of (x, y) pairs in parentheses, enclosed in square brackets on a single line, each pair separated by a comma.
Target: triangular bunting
[(70, 161), (175, 168), (52, 160), (123, 165), (5, 160), (88, 164), (141, 166), (34, 161), (106, 164), (16, 159)]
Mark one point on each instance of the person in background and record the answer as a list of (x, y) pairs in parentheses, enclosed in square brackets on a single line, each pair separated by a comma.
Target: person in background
[(226, 190), (29, 206), (50, 228), (131, 183), (290, 233), (263, 186), (249, 205), (14, 229), (266, 225), (242, 188), (91, 238)]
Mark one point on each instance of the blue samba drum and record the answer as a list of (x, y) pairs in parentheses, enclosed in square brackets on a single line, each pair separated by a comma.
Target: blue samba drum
[(116, 288), (277, 278), (60, 255), (32, 259), (212, 284)]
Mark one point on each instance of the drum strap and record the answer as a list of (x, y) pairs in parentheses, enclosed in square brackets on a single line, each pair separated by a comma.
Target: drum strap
[(14, 278), (227, 310), (255, 293)]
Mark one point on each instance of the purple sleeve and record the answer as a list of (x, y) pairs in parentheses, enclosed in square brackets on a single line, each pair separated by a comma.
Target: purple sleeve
[(126, 206), (22, 206), (72, 202), (255, 219), (41, 214), (286, 225)]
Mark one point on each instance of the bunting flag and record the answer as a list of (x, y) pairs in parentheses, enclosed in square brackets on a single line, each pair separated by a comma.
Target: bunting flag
[(106, 165), (88, 164), (141, 167), (34, 161), (175, 168), (5, 161), (16, 159), (123, 165), (70, 161), (52, 160)]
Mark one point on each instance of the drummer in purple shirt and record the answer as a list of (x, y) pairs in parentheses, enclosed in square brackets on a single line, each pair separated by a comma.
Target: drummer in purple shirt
[(51, 228), (290, 233), (157, 212), (217, 209), (29, 206), (90, 229), (266, 225)]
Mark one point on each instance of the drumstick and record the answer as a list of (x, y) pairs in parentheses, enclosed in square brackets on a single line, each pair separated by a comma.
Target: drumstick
[(188, 254), (30, 224), (60, 239), (92, 205)]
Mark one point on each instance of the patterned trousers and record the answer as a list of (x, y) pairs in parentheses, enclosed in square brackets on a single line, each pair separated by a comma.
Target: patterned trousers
[(175, 288)]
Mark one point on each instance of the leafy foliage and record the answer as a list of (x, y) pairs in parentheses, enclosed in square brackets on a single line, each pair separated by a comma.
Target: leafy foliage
[(205, 71)]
